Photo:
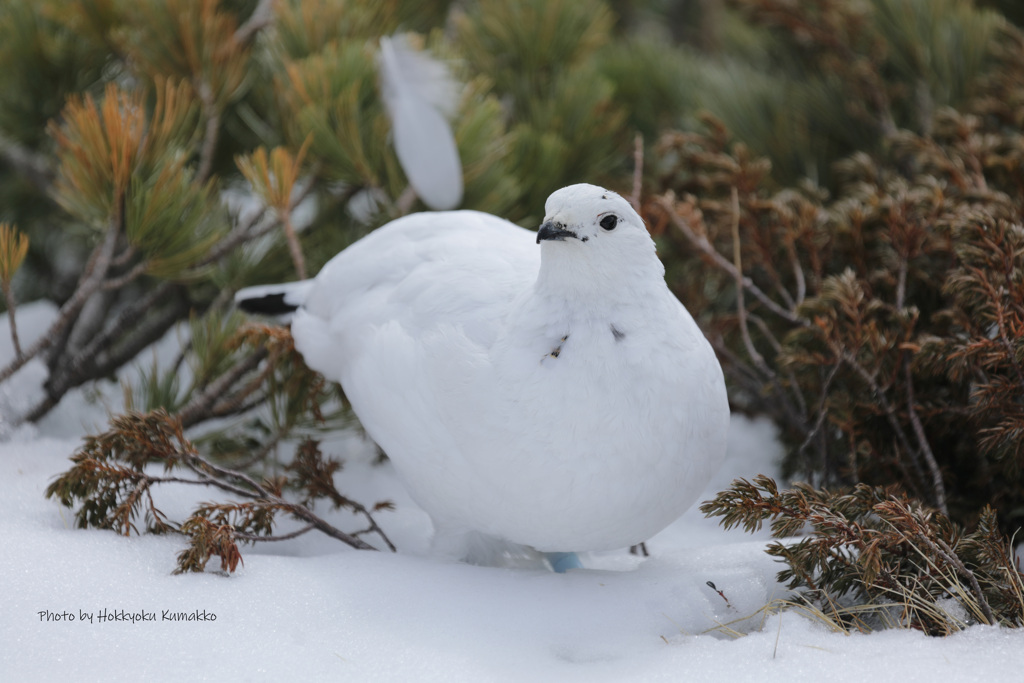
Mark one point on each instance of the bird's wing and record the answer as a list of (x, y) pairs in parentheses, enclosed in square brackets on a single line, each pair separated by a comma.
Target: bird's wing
[(405, 320), (454, 273)]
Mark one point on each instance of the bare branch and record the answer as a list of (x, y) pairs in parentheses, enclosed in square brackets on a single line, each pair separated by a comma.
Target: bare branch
[(769, 336), (701, 242), (283, 537), (264, 450), (205, 467), (405, 201), (322, 526), (822, 412), (638, 171), (938, 487), (787, 298), (756, 383), (134, 274), (798, 272), (373, 527), (847, 357), (9, 300), (124, 257), (101, 361), (207, 479), (91, 281), (901, 283), (741, 311), (247, 231), (211, 113), (260, 18), (128, 317), (203, 402), (762, 326), (235, 403), (946, 553), (293, 246)]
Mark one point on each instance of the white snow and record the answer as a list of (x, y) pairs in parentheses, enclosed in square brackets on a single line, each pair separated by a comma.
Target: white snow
[(311, 609)]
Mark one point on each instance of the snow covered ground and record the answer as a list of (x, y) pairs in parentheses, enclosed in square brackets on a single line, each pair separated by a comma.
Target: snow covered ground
[(311, 609)]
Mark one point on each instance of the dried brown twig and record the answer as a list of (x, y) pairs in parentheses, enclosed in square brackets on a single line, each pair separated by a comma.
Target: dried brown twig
[(802, 341), (110, 483), (873, 550)]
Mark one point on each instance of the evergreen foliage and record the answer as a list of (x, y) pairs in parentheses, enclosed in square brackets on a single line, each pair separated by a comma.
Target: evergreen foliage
[(836, 189), (870, 557), (841, 76), (878, 325)]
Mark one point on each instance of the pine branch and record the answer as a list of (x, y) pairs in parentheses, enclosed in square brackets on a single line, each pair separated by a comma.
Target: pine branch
[(103, 354), (212, 114), (90, 283), (202, 403), (99, 360), (137, 271), (247, 231), (262, 16)]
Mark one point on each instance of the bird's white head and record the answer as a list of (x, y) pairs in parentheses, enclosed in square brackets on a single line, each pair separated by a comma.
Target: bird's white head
[(591, 238)]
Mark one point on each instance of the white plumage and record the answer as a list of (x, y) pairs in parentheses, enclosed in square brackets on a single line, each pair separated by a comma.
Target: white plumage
[(557, 396), (420, 96)]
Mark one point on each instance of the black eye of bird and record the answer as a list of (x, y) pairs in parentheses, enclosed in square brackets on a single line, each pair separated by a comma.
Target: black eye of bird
[(610, 221)]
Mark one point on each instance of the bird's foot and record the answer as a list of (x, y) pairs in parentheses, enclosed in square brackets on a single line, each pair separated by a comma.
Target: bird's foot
[(563, 562)]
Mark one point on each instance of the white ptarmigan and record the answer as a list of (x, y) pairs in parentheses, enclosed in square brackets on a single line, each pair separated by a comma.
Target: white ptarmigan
[(558, 397)]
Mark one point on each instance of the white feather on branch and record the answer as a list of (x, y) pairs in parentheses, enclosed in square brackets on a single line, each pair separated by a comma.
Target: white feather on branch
[(419, 94)]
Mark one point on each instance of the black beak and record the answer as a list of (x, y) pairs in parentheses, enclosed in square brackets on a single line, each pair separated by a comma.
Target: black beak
[(553, 231)]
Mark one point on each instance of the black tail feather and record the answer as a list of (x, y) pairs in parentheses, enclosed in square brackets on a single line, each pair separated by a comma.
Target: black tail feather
[(268, 304)]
